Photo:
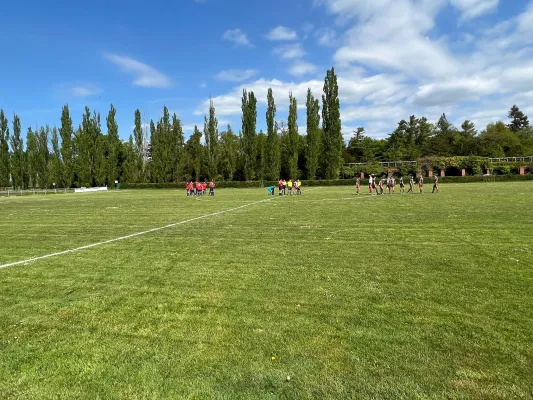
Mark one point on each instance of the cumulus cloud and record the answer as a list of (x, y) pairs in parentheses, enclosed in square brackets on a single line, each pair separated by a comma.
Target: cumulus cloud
[(85, 90), (390, 65), (327, 37), (301, 68), (454, 91), (392, 34), (471, 9), (236, 36), (145, 75), (282, 33), (290, 51)]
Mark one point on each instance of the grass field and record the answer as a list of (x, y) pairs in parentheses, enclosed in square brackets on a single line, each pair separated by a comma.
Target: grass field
[(327, 295)]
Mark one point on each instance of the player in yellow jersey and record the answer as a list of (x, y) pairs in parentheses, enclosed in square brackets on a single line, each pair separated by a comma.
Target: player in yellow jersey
[(289, 186)]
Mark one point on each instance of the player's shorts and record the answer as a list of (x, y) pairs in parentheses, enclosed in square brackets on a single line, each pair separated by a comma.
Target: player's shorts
[(402, 185)]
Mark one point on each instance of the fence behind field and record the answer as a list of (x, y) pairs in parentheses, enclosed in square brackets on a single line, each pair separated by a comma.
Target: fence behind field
[(29, 192)]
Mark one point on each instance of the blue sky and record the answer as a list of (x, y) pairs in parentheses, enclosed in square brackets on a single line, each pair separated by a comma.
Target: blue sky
[(472, 59)]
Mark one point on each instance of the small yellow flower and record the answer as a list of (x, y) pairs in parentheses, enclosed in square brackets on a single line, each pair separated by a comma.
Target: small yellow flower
[(273, 358)]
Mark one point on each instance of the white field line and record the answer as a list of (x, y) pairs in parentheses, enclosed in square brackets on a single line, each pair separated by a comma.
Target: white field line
[(88, 246)]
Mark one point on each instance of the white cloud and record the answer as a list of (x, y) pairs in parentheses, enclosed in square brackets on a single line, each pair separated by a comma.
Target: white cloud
[(85, 91), (471, 9), (236, 75), (392, 34), (300, 68), (378, 89), (327, 37), (370, 113), (390, 65), (230, 103), (290, 51), (237, 36), (454, 91), (145, 75), (525, 20), (282, 33)]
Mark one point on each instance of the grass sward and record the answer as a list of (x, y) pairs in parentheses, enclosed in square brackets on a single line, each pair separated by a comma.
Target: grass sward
[(401, 296)]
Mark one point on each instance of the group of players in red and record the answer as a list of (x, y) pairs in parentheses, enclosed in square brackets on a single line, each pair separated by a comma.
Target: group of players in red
[(376, 187), (199, 188)]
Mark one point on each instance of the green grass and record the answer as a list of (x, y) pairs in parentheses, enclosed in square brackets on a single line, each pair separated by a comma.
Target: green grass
[(413, 296)]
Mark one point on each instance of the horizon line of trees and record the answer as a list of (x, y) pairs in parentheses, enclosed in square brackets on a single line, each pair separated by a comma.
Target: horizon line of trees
[(85, 156)]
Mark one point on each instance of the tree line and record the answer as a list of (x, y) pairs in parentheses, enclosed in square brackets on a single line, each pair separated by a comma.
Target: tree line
[(86, 156), (416, 138)]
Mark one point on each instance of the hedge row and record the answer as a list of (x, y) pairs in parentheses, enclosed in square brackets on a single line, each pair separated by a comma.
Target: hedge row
[(337, 182)]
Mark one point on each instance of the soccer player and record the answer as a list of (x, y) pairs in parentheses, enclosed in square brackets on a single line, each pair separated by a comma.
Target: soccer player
[(435, 185), (381, 186), (270, 190), (211, 188), (393, 183), (297, 187), (370, 183), (402, 186), (357, 185), (289, 185), (188, 188), (389, 184), (280, 186), (420, 183), (411, 184), (284, 187)]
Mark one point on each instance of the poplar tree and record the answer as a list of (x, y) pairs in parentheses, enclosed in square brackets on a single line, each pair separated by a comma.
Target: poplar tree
[(211, 141), (272, 150), (293, 139), (113, 147), (167, 147), (249, 120), (155, 165), (91, 148), (194, 148), (331, 124), (56, 165), (42, 160), (313, 140), (4, 151), (260, 154), (178, 143), (18, 156), (229, 152), (66, 132), (30, 160), (138, 163)]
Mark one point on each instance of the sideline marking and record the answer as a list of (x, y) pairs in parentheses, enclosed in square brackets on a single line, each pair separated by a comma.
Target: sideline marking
[(88, 246)]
